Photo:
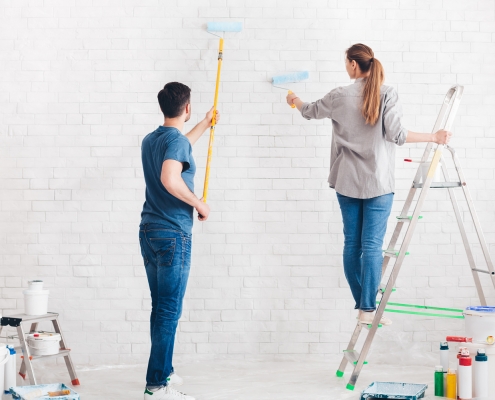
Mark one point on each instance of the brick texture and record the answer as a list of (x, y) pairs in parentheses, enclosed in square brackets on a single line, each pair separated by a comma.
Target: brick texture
[(78, 85)]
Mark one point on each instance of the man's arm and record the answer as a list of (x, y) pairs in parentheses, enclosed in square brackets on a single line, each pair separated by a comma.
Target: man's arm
[(172, 180), (201, 127)]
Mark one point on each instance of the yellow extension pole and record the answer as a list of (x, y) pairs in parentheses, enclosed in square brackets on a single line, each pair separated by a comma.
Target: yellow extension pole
[(213, 122)]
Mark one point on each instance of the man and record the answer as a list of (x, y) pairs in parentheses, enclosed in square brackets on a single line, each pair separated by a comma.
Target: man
[(165, 230)]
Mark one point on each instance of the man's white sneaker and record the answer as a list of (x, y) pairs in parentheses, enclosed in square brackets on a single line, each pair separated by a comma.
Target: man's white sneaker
[(166, 393), (175, 379), (367, 318)]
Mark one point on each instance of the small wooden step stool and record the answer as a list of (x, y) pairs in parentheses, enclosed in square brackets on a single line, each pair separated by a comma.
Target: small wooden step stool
[(16, 321)]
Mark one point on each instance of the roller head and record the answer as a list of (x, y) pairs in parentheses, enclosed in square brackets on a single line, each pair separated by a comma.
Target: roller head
[(224, 26), (295, 77)]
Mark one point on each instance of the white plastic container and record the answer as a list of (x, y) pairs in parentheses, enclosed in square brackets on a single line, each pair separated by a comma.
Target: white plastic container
[(444, 355), (10, 371), (480, 375), (438, 177), (465, 377), (480, 324), (43, 343), (36, 302)]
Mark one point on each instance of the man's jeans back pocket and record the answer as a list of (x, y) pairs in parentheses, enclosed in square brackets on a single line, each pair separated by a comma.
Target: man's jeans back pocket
[(164, 249)]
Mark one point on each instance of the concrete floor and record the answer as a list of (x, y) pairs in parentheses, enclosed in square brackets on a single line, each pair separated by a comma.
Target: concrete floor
[(240, 380)]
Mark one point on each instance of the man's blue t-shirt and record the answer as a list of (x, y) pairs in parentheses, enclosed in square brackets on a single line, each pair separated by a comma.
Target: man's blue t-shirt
[(161, 207)]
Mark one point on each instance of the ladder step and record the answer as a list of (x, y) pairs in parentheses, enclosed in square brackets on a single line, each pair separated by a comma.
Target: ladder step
[(351, 355), (407, 219), (483, 271), (61, 353), (393, 253), (440, 185)]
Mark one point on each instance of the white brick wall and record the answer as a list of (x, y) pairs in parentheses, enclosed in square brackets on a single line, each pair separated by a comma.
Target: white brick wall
[(78, 85)]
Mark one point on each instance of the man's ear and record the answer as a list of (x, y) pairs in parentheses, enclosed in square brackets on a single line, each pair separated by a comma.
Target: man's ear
[(188, 108)]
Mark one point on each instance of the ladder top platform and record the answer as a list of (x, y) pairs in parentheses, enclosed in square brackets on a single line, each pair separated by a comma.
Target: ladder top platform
[(16, 319)]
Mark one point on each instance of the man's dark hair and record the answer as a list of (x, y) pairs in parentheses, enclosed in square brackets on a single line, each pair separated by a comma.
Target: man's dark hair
[(173, 99)]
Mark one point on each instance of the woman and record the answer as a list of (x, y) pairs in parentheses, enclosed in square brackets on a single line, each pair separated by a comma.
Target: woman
[(366, 128)]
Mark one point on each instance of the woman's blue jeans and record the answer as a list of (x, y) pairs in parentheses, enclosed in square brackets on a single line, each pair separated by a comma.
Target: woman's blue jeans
[(365, 224), (167, 259)]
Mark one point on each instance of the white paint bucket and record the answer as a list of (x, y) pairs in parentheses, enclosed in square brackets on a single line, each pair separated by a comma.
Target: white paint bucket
[(438, 177), (43, 343), (36, 302), (480, 324)]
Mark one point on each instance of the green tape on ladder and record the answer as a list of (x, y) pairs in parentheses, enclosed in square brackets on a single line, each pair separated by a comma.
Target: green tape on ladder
[(349, 387), (409, 217), (364, 363), (455, 310), (383, 290), (339, 374), (423, 313), (447, 310), (395, 253)]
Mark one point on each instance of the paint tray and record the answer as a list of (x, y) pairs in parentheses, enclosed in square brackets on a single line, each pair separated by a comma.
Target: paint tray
[(394, 390), (18, 392)]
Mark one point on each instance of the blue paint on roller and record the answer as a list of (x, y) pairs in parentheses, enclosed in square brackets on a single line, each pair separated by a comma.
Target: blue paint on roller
[(224, 26), (295, 77)]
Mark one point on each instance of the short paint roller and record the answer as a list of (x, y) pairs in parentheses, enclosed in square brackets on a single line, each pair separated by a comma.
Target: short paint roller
[(289, 78), (217, 27)]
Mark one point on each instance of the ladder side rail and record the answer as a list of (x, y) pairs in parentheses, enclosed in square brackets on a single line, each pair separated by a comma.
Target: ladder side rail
[(449, 108), (465, 240), (67, 358), (350, 346), (26, 361), (474, 214), (396, 269), (445, 110)]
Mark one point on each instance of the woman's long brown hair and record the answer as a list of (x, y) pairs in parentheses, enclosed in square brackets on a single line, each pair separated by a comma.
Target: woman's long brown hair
[(366, 60)]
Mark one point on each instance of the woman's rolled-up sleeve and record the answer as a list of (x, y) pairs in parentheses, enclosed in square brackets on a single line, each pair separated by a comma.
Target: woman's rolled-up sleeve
[(318, 109), (392, 113)]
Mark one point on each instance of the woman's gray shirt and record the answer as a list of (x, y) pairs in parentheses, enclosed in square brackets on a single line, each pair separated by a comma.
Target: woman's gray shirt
[(362, 157)]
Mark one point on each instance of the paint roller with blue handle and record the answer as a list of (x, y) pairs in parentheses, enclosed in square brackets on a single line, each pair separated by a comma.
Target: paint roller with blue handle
[(228, 26), (289, 78)]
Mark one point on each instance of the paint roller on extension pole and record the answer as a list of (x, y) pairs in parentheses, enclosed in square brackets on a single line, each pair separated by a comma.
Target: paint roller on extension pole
[(216, 27), (289, 78)]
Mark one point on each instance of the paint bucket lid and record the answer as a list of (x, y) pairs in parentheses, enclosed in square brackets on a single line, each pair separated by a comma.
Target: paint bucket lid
[(482, 309), (46, 336)]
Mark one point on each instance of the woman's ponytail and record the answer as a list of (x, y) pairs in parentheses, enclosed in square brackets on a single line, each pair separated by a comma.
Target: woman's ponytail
[(366, 60)]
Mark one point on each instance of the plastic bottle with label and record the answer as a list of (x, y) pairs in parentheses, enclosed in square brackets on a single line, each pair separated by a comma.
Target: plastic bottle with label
[(451, 385), (439, 381), (465, 376), (480, 375)]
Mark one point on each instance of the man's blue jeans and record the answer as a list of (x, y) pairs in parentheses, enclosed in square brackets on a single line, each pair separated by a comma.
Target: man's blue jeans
[(167, 259), (365, 224)]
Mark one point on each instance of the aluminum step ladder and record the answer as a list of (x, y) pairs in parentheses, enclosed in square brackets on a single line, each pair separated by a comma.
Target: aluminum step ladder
[(16, 321), (444, 121)]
